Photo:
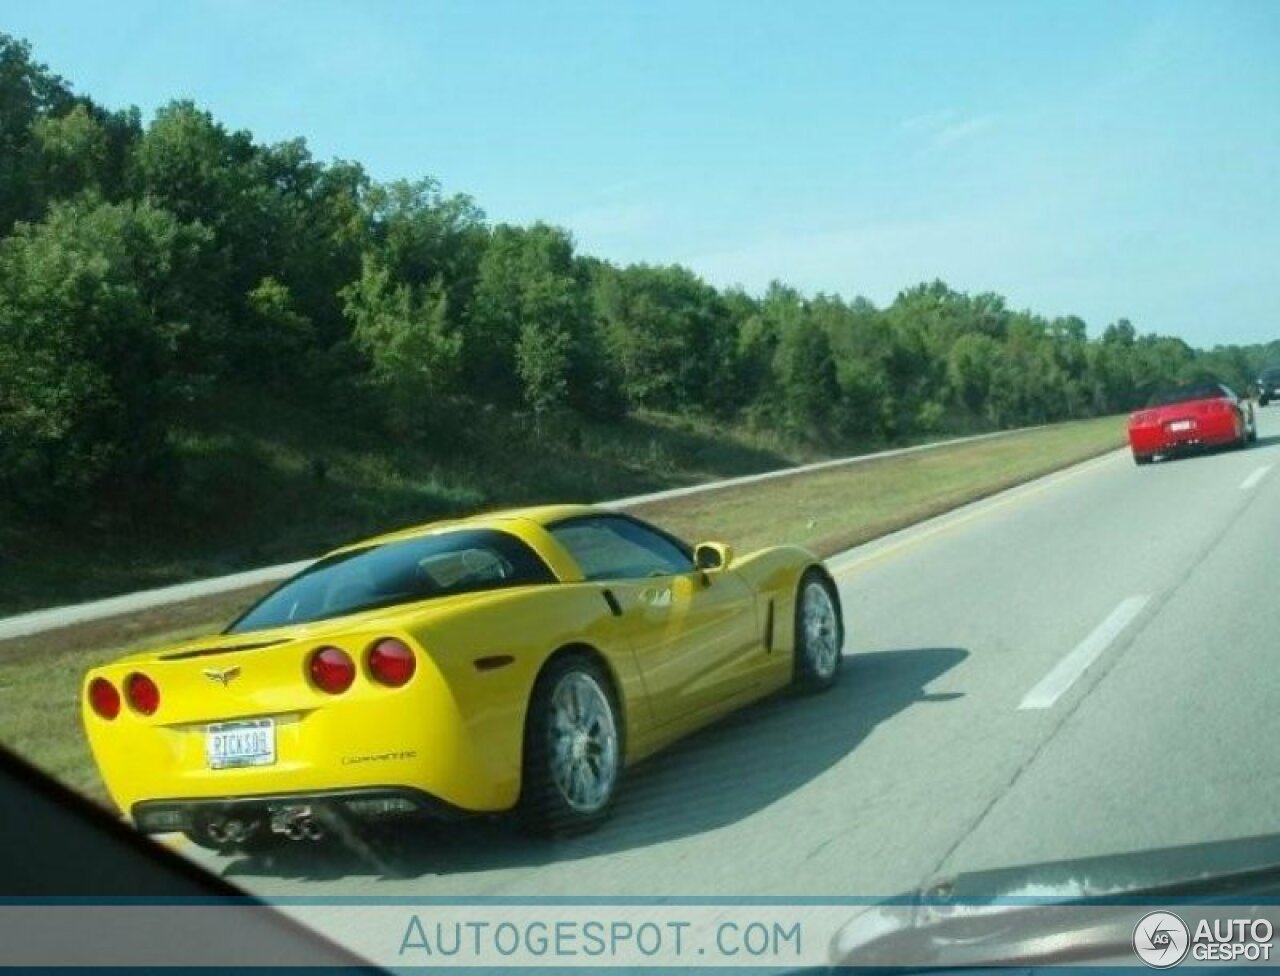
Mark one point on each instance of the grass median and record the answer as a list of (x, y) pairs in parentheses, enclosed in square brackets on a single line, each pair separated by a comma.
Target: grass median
[(828, 510), (839, 507)]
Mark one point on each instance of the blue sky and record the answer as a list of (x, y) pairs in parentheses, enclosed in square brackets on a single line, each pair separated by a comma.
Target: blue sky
[(1107, 159)]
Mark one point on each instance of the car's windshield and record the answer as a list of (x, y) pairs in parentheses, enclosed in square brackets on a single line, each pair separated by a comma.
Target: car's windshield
[(1271, 375), (1184, 394), (394, 573)]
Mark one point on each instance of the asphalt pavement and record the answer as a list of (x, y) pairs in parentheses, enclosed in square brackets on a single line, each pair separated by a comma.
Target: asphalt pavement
[(1081, 666)]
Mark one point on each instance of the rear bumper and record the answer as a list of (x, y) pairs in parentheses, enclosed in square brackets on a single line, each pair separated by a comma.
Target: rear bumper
[(459, 741), (1159, 440), (364, 803)]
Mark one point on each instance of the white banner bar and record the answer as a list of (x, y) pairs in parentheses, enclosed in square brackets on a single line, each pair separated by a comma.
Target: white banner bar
[(641, 936)]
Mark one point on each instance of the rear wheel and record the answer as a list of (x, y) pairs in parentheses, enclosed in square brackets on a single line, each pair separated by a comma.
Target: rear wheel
[(819, 637), (573, 748), (1141, 459)]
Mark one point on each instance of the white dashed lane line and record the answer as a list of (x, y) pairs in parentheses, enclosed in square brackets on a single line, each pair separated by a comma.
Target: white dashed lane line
[(1257, 475), (1064, 674)]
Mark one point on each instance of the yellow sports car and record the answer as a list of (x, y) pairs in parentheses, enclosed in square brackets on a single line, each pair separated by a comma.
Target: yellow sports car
[(516, 660)]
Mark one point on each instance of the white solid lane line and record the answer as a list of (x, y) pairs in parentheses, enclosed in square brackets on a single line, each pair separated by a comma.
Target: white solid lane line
[(1257, 475), (1064, 674)]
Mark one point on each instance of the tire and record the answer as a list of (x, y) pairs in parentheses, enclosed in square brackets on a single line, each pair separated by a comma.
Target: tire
[(1141, 459), (573, 752), (819, 632)]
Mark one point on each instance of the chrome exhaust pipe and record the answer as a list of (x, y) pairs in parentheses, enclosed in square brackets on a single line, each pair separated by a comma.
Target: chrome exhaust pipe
[(289, 821)]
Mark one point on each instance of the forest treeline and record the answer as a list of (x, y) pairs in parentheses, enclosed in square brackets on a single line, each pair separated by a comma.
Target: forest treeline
[(149, 270)]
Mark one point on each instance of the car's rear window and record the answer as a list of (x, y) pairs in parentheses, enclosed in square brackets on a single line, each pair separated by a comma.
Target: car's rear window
[(1183, 394), (1271, 374), (406, 571)]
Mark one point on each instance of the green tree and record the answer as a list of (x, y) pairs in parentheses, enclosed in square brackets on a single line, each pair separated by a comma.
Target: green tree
[(423, 236), (543, 356), (413, 350), (196, 168), (320, 232), (73, 151), (281, 335), (29, 92), (95, 312), (969, 370), (531, 335), (807, 380), (757, 349), (671, 335)]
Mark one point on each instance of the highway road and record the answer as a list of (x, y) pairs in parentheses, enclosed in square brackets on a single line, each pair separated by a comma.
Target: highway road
[(1081, 666)]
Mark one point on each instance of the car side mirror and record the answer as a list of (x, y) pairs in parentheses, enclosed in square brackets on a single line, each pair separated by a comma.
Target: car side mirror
[(710, 556)]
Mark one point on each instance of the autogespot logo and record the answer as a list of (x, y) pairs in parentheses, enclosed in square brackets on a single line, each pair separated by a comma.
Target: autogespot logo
[(1161, 939)]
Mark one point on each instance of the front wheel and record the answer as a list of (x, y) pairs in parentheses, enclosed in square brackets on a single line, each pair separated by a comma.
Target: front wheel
[(573, 749), (819, 638)]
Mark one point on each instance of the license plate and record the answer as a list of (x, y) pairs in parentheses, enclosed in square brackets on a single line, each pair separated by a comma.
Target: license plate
[(1180, 425), (234, 744)]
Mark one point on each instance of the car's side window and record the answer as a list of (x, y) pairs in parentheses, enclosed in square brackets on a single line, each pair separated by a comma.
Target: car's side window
[(615, 547)]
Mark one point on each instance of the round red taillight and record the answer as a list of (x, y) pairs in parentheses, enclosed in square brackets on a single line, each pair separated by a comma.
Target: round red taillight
[(143, 695), (391, 662), (103, 698), (332, 669)]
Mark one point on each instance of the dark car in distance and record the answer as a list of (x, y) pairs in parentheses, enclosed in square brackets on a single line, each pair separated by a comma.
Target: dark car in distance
[(1268, 385)]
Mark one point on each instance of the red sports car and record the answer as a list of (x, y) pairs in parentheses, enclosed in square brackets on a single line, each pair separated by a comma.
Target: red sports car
[(1200, 415)]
